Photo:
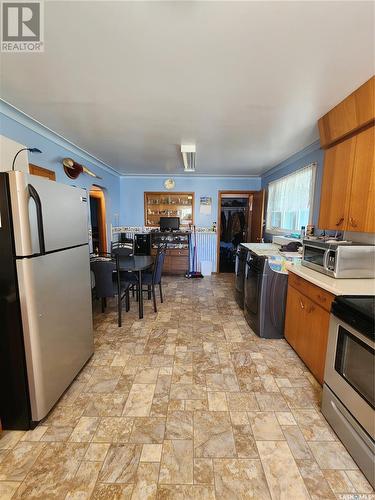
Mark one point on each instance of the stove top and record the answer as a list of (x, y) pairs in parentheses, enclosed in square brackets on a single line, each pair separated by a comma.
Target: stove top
[(358, 311)]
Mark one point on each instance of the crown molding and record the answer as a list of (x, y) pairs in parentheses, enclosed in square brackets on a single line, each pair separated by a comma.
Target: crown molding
[(28, 121), (291, 159)]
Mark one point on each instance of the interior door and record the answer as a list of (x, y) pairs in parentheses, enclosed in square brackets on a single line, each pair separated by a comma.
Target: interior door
[(257, 217)]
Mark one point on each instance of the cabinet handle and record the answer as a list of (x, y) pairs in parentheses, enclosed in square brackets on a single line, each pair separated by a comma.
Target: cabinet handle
[(340, 221), (301, 304), (352, 222), (321, 298)]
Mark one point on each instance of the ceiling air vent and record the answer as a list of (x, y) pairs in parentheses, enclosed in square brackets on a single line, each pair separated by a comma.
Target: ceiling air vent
[(188, 152)]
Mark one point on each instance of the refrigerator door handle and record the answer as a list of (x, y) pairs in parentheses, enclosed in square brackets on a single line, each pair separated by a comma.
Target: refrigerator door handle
[(38, 204)]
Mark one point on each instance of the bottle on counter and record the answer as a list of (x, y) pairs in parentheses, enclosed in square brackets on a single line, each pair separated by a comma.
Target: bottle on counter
[(303, 231)]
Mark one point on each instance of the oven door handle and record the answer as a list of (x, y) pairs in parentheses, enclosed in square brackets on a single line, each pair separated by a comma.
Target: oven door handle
[(325, 259)]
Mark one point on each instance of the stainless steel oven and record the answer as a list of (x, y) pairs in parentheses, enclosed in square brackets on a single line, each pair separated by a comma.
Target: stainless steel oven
[(339, 259), (349, 378)]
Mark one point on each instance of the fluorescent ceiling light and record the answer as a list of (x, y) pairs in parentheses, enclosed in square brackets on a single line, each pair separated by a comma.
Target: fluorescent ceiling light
[(188, 152)]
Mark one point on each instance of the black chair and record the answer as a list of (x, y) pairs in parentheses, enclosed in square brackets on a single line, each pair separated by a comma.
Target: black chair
[(150, 279), (123, 248), (108, 283)]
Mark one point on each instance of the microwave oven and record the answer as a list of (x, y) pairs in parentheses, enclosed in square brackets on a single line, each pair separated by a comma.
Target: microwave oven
[(339, 260)]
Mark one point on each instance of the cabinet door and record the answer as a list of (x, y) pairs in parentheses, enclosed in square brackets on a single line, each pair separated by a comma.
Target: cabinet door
[(294, 317), (337, 175), (362, 196), (315, 346)]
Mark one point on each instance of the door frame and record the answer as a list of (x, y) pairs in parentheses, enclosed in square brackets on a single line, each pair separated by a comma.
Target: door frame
[(99, 195), (220, 196)]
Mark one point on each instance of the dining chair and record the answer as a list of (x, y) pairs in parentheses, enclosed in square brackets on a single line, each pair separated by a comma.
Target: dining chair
[(109, 283), (123, 248), (150, 279)]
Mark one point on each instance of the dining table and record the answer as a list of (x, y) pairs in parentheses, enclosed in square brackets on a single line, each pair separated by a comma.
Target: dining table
[(136, 264)]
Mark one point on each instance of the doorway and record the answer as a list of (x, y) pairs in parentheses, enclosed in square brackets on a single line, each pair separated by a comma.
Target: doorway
[(240, 220), (98, 220)]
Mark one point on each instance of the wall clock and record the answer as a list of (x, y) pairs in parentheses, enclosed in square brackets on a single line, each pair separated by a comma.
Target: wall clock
[(169, 183)]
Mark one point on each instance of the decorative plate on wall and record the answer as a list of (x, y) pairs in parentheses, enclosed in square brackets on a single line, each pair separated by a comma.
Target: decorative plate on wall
[(169, 183)]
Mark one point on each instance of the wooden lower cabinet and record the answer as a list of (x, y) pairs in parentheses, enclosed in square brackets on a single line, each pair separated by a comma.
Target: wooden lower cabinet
[(176, 260), (306, 326)]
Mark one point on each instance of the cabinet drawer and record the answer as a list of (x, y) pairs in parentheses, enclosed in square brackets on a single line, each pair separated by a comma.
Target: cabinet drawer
[(178, 252), (313, 292)]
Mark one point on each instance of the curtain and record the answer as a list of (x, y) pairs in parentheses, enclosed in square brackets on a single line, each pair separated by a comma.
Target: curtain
[(290, 200)]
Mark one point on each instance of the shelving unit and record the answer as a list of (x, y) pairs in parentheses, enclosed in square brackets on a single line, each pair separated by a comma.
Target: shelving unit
[(177, 256), (162, 204)]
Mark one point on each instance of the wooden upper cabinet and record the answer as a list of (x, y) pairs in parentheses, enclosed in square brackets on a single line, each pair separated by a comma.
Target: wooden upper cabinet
[(361, 215), (350, 115), (337, 177)]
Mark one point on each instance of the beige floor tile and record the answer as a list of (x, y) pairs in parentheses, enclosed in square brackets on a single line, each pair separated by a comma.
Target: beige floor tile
[(9, 439), (313, 425), (359, 481), (104, 491), (139, 400), (35, 434), (177, 462), (19, 461), (113, 430), (285, 418), (339, 481), (179, 425), (217, 401), (185, 492), (7, 489), (97, 452), (151, 453), (84, 481), (296, 442), (203, 471), (240, 479), (265, 426), (146, 376), (242, 401), (146, 482), (148, 430), (315, 481), (332, 455), (271, 402), (239, 417), (84, 430), (120, 464), (213, 435), (283, 477)]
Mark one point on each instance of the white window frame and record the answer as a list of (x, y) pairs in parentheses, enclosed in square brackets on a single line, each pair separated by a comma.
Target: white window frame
[(281, 231)]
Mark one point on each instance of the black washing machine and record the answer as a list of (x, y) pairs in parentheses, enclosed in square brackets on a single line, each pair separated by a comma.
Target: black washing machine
[(240, 269), (264, 297)]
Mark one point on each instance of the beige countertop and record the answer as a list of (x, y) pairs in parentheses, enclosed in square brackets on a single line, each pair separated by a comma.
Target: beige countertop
[(333, 285), (262, 248)]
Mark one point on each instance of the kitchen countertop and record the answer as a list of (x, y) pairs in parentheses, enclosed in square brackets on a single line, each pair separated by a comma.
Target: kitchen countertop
[(266, 249), (333, 285)]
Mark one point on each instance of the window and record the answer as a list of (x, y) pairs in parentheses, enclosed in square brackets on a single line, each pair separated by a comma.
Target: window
[(290, 200)]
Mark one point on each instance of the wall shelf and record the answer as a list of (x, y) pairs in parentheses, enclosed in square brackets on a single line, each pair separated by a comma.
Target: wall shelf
[(162, 204)]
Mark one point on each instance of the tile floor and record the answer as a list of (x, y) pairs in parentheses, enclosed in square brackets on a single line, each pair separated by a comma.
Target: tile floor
[(187, 403)]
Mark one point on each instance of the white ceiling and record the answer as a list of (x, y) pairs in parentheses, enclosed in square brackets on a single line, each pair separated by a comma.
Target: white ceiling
[(246, 81)]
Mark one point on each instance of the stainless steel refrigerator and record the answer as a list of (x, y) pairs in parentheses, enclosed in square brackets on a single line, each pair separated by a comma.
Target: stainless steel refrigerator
[(46, 334)]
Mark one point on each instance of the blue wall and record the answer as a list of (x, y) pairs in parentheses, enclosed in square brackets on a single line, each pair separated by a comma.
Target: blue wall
[(311, 154), (132, 189), (22, 129)]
